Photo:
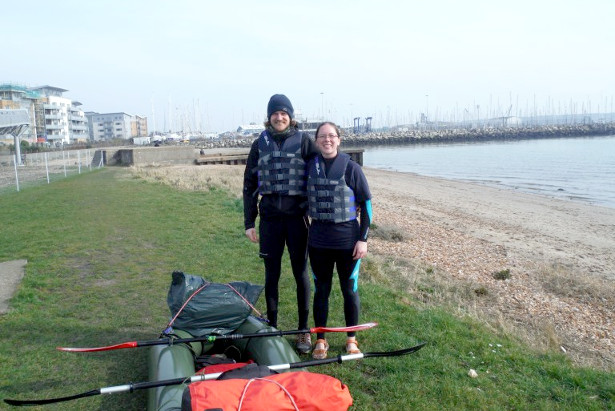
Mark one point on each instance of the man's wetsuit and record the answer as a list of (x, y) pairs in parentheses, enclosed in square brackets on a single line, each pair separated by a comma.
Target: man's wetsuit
[(283, 218)]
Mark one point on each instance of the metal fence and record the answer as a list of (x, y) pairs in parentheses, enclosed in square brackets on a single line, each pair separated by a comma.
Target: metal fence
[(44, 168)]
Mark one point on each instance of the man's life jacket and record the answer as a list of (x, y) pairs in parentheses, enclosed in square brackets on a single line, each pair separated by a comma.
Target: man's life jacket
[(330, 199), (281, 170), (300, 390)]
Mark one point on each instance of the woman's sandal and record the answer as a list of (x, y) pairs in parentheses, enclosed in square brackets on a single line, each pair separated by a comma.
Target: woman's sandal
[(352, 346), (320, 349)]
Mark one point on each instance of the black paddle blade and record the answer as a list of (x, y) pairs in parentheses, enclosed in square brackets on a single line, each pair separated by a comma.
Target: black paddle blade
[(20, 403), (347, 357), (395, 353)]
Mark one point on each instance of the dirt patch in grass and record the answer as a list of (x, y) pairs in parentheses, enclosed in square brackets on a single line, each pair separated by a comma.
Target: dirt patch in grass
[(11, 273)]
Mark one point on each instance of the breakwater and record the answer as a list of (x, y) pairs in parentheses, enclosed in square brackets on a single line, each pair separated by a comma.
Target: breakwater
[(446, 135), (477, 135)]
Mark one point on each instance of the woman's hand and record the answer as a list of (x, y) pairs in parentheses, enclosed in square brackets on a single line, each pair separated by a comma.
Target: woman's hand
[(360, 250)]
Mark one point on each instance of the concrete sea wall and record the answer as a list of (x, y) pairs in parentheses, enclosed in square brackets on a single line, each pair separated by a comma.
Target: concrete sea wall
[(145, 156)]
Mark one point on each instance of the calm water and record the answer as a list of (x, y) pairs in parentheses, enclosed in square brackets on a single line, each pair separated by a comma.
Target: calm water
[(579, 169)]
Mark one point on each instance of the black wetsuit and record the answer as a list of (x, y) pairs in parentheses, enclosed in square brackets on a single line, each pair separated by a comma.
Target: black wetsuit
[(283, 222), (331, 245)]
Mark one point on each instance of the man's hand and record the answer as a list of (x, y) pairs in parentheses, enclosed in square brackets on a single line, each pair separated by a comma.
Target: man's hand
[(251, 234)]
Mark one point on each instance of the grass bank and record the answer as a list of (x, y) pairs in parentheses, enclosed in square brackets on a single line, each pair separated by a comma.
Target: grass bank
[(101, 248)]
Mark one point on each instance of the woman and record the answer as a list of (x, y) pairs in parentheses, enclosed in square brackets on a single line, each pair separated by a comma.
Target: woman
[(338, 193)]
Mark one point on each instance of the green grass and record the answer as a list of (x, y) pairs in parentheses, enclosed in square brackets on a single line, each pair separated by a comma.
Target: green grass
[(101, 248)]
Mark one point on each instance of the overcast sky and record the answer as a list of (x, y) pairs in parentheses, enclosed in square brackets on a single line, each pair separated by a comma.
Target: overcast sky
[(214, 64)]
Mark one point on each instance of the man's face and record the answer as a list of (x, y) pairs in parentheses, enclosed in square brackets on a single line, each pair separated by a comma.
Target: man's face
[(280, 120)]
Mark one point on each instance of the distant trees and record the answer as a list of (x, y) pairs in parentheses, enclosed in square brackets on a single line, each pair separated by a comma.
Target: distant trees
[(26, 147)]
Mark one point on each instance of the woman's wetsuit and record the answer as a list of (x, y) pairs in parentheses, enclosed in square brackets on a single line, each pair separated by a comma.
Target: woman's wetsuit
[(331, 244)]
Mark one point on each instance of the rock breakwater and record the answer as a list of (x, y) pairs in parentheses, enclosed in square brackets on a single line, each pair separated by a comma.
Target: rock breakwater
[(446, 135), (476, 135)]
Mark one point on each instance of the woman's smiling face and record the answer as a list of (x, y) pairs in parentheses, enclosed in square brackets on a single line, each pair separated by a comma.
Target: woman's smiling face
[(327, 140)]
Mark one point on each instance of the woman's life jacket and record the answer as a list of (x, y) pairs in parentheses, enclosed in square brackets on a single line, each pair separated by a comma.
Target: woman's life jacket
[(329, 198)]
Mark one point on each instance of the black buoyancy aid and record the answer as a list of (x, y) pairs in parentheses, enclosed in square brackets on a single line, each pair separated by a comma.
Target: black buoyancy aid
[(330, 199), (281, 170)]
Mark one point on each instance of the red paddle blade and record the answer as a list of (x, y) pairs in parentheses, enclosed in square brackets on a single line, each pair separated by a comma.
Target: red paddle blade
[(130, 344), (343, 329)]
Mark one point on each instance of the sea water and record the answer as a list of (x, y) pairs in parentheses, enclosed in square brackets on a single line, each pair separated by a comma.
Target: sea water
[(572, 168)]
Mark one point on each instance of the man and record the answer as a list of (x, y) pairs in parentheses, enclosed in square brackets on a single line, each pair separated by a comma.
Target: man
[(276, 170)]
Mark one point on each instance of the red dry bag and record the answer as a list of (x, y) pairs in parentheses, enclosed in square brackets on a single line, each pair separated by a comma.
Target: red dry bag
[(300, 390)]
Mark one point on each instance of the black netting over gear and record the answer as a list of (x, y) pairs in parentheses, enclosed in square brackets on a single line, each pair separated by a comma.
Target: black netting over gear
[(216, 309)]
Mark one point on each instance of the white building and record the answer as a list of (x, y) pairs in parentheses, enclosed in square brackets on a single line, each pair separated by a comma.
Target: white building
[(141, 141), (509, 121), (59, 120), (251, 129), (79, 129), (110, 126)]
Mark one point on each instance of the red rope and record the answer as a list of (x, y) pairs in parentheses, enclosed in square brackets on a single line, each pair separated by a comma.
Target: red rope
[(184, 305), (201, 289), (246, 301)]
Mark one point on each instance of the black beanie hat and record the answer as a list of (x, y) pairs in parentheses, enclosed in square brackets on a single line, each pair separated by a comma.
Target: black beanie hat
[(279, 102)]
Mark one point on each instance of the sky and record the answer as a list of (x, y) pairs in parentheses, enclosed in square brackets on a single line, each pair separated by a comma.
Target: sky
[(213, 65)]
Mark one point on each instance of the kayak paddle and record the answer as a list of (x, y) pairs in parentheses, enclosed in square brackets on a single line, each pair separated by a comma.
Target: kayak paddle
[(212, 338), (202, 377)]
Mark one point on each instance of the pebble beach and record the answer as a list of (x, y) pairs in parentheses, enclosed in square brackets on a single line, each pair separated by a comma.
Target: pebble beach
[(559, 254)]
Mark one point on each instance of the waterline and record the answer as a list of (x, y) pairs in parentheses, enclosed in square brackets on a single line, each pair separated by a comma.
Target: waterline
[(577, 169)]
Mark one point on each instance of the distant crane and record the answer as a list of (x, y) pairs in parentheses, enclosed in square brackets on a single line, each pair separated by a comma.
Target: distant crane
[(357, 125)]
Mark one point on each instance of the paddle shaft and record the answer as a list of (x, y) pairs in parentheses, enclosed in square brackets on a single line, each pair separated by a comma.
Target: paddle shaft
[(212, 338), (232, 337)]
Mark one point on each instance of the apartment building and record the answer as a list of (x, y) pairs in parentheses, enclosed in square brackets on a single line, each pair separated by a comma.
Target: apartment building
[(53, 118), (139, 126), (110, 126), (59, 120)]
